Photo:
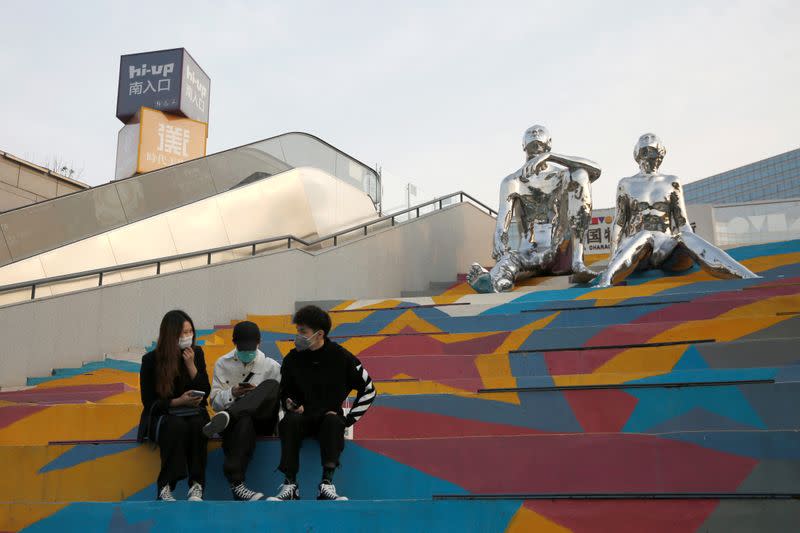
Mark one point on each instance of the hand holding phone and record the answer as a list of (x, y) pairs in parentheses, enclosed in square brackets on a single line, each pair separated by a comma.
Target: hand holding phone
[(293, 406), (196, 393), (241, 389)]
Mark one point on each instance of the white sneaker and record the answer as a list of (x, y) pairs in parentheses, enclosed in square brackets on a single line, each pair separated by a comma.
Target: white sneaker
[(327, 491), (165, 495), (243, 494), (286, 492), (217, 424), (195, 493)]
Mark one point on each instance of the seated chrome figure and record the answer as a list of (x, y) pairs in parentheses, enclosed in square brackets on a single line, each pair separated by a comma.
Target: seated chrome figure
[(651, 229), (550, 197)]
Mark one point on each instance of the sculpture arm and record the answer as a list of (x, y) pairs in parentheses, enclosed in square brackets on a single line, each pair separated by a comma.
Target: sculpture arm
[(574, 163), (679, 218), (621, 217), (505, 214)]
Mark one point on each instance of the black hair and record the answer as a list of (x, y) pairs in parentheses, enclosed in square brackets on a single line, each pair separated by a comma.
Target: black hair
[(168, 355), (313, 317)]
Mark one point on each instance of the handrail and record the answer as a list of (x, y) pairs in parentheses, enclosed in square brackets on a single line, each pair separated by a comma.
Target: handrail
[(157, 262)]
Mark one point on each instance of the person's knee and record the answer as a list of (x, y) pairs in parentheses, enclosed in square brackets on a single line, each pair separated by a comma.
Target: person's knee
[(290, 423), (333, 422)]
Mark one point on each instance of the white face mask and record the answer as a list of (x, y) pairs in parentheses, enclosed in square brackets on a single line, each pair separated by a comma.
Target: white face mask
[(184, 342)]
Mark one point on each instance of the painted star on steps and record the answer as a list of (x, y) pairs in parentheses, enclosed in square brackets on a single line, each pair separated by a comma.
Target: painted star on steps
[(656, 406)]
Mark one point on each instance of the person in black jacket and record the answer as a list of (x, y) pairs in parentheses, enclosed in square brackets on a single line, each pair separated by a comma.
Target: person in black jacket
[(174, 387), (316, 378)]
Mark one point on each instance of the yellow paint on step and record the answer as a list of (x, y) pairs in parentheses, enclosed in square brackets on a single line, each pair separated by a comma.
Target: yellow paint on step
[(636, 363), (453, 294), (133, 469), (409, 319), (66, 422), (527, 521)]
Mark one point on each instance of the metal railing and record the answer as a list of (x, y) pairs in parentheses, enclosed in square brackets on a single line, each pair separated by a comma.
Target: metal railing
[(208, 253)]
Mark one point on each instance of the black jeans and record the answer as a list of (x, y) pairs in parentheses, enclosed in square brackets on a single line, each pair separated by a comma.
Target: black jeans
[(253, 414), (182, 444), (327, 429)]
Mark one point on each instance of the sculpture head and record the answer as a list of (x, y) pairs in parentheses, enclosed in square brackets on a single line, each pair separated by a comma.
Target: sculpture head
[(536, 140), (649, 152)]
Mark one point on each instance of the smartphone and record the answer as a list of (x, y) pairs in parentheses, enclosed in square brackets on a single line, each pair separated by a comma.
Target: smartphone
[(246, 380), (197, 393)]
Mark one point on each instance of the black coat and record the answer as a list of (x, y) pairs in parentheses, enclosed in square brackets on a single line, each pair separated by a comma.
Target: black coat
[(154, 406)]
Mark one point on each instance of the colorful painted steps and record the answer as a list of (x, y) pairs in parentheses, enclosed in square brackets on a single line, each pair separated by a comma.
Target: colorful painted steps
[(681, 462), (664, 412), (514, 516)]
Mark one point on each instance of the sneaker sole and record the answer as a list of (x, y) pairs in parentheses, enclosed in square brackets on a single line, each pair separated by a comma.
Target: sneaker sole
[(194, 499), (217, 424)]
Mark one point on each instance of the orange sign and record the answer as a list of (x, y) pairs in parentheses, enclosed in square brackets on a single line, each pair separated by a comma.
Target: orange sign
[(166, 140)]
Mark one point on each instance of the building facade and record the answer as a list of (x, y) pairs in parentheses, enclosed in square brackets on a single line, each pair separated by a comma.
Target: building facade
[(774, 178), (24, 183)]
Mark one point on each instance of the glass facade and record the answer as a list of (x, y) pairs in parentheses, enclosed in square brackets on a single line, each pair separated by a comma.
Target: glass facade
[(775, 178), (757, 223)]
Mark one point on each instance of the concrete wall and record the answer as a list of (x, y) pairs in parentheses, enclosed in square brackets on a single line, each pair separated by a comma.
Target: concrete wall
[(23, 183), (66, 330)]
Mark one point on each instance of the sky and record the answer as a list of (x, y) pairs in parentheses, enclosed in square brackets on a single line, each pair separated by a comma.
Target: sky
[(436, 93)]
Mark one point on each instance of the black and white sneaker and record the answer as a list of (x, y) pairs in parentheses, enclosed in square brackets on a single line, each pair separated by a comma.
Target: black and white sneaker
[(242, 494), (286, 492), (165, 494), (327, 491), (195, 493), (217, 424)]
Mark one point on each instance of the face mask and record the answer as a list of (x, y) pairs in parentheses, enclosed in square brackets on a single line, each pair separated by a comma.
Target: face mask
[(303, 343), (185, 342), (247, 356)]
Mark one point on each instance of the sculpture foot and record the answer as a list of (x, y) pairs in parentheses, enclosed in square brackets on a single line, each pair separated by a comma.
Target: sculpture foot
[(479, 279), (503, 285), (582, 274)]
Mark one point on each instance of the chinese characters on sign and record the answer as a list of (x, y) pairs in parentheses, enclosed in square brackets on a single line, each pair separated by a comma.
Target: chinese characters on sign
[(195, 90), (166, 140), (167, 80), (598, 236), (173, 140), (163, 99), (137, 86)]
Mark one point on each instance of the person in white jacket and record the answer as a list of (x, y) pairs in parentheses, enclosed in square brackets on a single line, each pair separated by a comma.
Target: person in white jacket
[(244, 394)]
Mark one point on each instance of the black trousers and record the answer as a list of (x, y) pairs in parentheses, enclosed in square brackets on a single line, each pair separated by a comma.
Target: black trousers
[(183, 447), (252, 415), (327, 429)]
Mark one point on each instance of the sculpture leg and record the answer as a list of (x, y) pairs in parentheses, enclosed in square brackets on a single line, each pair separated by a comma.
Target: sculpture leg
[(503, 274), (633, 251), (479, 279), (713, 260), (579, 214)]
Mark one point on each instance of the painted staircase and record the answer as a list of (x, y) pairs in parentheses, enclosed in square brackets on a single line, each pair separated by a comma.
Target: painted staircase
[(667, 404)]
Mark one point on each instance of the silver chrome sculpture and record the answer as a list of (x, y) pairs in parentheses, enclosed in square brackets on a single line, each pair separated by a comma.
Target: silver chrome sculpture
[(651, 229), (550, 198)]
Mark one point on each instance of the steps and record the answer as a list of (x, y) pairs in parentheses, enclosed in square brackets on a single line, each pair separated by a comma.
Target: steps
[(535, 410)]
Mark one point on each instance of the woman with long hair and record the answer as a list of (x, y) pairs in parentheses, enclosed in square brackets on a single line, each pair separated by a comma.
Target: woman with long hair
[(174, 386)]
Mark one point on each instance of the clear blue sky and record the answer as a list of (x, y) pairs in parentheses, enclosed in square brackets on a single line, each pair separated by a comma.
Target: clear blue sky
[(438, 93)]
